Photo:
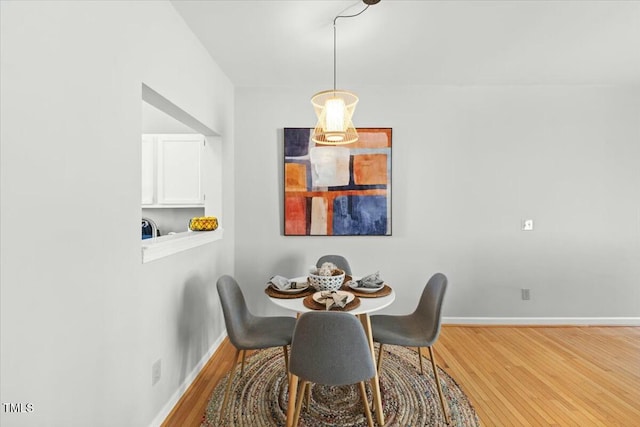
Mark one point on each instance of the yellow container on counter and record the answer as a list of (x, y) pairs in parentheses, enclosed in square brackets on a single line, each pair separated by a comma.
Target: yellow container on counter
[(203, 223)]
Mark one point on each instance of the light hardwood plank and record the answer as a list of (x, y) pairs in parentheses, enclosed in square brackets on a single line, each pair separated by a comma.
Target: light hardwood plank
[(514, 376)]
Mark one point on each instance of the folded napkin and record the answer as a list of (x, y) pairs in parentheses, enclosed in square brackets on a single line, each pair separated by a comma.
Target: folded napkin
[(371, 281), (282, 283), (331, 298)]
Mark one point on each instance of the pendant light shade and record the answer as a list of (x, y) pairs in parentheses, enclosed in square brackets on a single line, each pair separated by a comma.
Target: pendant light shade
[(334, 109)]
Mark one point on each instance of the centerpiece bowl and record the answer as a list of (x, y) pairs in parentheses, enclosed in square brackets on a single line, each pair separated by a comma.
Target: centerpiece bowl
[(327, 283)]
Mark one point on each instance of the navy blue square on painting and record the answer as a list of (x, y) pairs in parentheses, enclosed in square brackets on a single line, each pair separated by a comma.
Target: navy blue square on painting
[(297, 141), (360, 215)]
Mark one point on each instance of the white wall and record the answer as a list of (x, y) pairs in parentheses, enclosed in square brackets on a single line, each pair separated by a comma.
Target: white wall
[(82, 318), (468, 164), (156, 121)]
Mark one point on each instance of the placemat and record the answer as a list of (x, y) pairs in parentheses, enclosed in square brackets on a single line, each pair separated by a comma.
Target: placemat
[(275, 294), (309, 302), (386, 290)]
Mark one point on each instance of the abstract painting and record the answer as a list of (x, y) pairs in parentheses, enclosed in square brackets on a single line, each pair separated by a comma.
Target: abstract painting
[(342, 190)]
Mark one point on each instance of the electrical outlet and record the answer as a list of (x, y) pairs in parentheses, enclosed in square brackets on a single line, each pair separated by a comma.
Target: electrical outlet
[(156, 371), (526, 294)]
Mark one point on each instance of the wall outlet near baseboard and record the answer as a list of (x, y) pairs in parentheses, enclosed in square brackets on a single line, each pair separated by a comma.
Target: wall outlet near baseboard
[(156, 371), (526, 294)]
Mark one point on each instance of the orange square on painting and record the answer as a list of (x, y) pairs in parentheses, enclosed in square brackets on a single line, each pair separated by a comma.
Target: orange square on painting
[(295, 221), (295, 175), (373, 138), (370, 169)]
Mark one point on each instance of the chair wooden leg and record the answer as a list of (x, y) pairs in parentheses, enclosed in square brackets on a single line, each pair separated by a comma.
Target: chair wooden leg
[(379, 358), (365, 402), (293, 390), (296, 415), (437, 378), (244, 354), (375, 381), (228, 388), (308, 396), (420, 358), (286, 358)]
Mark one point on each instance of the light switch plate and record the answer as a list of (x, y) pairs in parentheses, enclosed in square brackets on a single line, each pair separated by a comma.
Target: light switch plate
[(527, 225)]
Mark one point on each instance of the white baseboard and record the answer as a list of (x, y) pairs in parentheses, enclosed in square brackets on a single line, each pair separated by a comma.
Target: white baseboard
[(175, 398), (544, 321)]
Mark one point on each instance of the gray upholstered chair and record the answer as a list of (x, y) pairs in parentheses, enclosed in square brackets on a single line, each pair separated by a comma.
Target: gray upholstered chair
[(249, 332), (340, 261), (418, 329), (328, 348)]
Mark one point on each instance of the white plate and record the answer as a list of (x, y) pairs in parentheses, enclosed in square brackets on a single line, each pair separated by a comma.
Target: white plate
[(290, 290), (354, 285), (317, 297)]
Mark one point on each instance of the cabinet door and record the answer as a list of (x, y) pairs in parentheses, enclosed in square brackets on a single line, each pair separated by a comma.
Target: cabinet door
[(179, 159), (148, 170)]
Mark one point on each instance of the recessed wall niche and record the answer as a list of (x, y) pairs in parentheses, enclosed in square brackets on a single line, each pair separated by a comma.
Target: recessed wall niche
[(180, 161)]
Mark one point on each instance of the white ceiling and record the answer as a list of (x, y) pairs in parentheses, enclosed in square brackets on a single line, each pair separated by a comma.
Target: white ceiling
[(420, 42)]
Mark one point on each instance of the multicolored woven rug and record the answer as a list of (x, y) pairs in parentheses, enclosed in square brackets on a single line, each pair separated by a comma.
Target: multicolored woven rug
[(259, 397)]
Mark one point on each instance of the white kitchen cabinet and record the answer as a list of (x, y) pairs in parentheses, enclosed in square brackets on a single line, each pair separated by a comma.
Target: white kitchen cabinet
[(179, 173), (148, 170), (171, 170)]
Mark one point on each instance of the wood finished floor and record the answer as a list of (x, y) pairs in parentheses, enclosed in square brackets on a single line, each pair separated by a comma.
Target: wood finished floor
[(514, 376)]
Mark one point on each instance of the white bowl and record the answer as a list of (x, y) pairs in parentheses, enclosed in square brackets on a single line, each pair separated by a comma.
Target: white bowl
[(303, 287), (326, 283), (354, 285)]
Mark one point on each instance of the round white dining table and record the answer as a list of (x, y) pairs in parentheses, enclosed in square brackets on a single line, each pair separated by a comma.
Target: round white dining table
[(367, 305)]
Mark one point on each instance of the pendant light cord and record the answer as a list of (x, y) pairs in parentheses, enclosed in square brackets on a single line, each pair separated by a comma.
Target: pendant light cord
[(334, 41)]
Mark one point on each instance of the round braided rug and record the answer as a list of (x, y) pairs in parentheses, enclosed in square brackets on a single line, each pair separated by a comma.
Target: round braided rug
[(259, 397)]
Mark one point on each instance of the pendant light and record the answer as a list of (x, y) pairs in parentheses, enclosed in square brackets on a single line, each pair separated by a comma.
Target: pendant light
[(335, 107)]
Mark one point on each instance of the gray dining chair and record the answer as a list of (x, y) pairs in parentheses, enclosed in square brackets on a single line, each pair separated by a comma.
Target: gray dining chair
[(249, 332), (328, 348), (418, 329), (340, 262)]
